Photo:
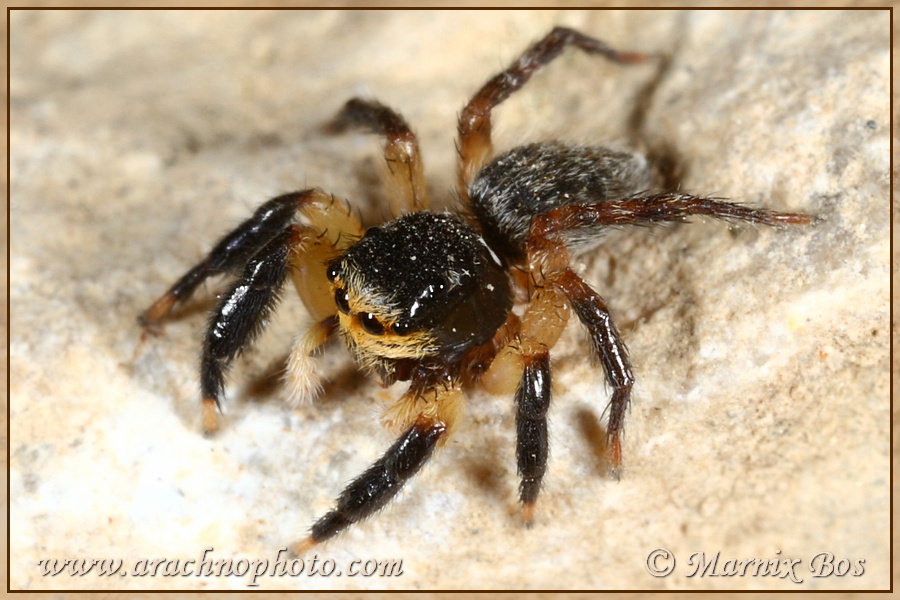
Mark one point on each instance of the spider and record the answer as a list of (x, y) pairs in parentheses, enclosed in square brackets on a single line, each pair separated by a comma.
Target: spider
[(427, 297)]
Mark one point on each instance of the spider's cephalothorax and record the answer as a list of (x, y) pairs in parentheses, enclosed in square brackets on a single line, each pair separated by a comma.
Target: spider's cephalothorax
[(424, 286), (427, 297)]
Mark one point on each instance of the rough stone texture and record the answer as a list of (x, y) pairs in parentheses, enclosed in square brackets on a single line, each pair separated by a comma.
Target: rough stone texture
[(760, 419)]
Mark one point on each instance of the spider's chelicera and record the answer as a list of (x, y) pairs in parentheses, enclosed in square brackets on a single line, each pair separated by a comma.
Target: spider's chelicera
[(427, 297)]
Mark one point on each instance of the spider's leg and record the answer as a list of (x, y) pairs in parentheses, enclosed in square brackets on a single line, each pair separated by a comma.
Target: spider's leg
[(405, 180), (646, 209), (525, 363), (532, 443), (607, 347), (242, 312), (372, 490), (426, 419), (548, 260), (233, 251), (474, 127)]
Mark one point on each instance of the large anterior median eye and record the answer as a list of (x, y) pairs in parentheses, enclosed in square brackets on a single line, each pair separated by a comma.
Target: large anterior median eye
[(371, 324), (342, 299)]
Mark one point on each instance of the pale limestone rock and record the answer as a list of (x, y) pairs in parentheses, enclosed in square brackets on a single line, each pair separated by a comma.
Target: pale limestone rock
[(761, 412)]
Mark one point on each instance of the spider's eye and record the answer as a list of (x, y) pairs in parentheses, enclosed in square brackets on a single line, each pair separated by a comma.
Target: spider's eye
[(371, 324), (342, 299), (401, 328), (331, 273)]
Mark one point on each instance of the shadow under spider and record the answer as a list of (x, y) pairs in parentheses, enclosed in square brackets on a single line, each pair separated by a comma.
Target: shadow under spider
[(592, 431), (337, 386), (669, 170), (482, 466)]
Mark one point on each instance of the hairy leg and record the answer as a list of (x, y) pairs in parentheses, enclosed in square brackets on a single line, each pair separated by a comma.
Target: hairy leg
[(532, 442), (242, 312), (233, 251), (475, 147), (405, 182), (524, 365), (548, 261), (230, 253), (426, 417), (608, 348), (646, 209)]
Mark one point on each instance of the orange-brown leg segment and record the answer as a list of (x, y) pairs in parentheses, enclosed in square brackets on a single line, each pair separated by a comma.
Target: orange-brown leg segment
[(646, 209), (405, 183), (607, 346), (475, 147)]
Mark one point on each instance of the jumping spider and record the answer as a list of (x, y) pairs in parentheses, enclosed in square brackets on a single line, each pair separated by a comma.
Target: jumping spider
[(427, 297)]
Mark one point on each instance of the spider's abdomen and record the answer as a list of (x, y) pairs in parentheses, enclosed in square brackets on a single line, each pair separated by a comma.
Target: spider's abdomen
[(425, 284), (510, 190)]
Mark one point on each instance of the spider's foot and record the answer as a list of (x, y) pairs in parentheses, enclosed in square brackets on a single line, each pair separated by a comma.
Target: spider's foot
[(790, 219), (210, 416), (149, 319), (528, 514), (149, 329), (303, 546), (634, 57), (140, 344), (615, 457)]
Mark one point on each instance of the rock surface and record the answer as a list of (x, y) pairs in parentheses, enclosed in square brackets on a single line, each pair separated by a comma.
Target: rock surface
[(760, 422)]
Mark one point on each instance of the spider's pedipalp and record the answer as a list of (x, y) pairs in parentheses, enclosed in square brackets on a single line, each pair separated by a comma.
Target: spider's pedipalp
[(301, 374), (405, 181), (474, 129)]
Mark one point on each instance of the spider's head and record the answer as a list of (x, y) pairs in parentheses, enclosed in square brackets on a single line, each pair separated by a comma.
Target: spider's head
[(423, 285)]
